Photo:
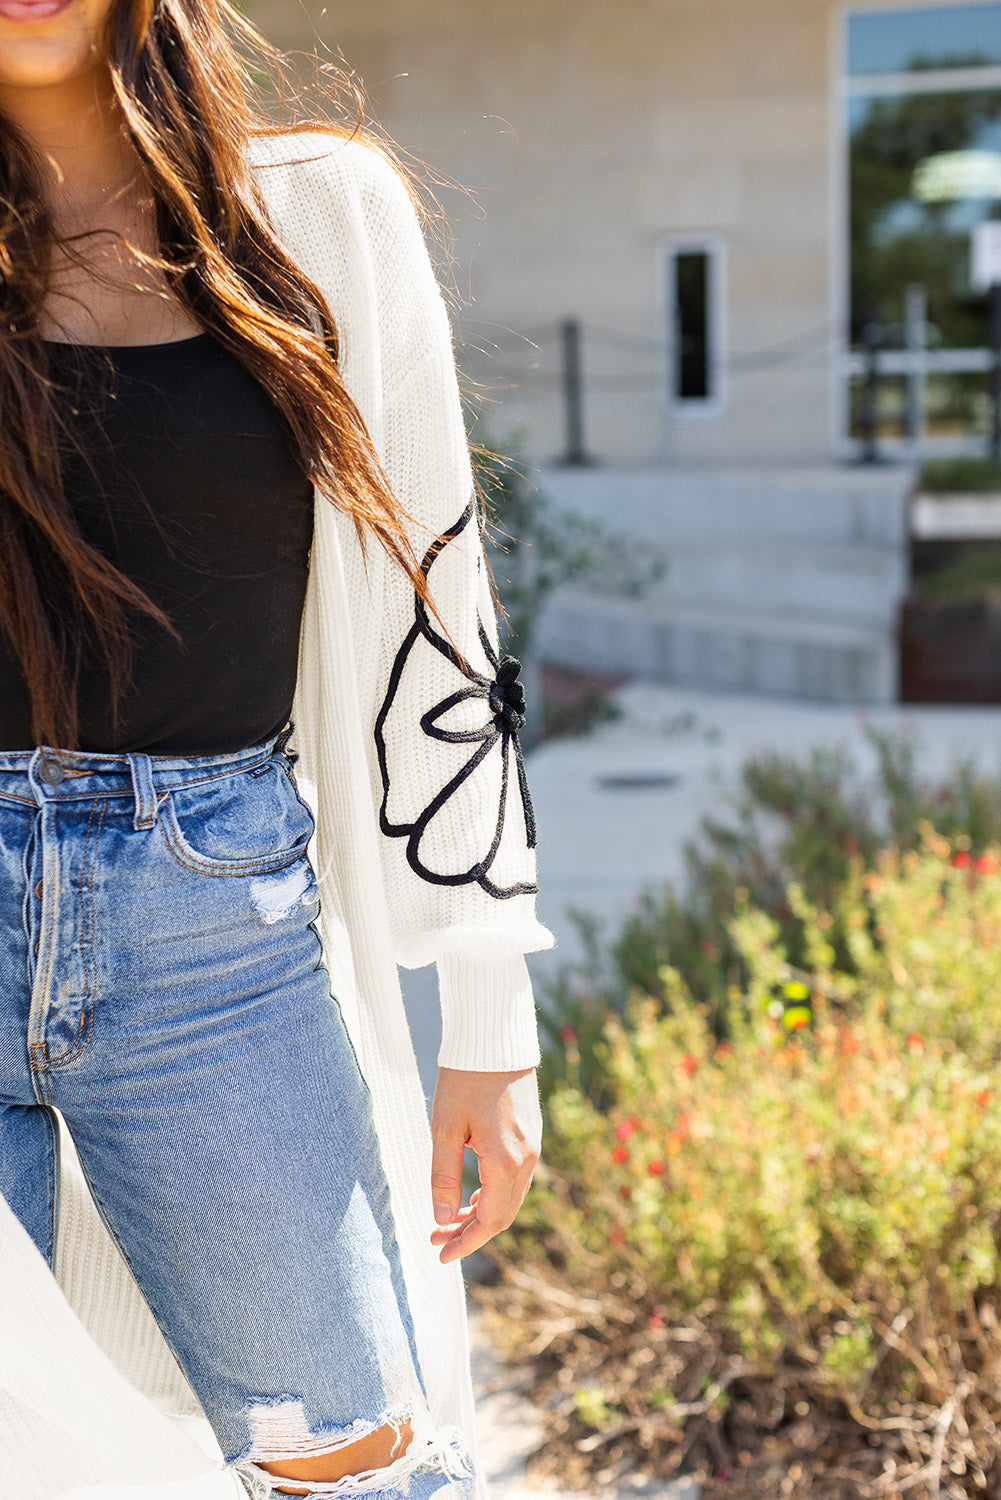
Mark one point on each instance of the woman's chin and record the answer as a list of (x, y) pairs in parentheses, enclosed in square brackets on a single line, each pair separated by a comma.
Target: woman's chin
[(45, 43), (42, 68)]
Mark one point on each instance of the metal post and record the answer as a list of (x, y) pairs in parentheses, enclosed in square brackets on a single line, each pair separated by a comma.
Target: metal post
[(573, 396), (872, 339), (915, 324), (995, 382)]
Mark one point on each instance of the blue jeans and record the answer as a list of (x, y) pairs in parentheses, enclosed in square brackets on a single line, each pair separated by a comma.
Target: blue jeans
[(162, 986)]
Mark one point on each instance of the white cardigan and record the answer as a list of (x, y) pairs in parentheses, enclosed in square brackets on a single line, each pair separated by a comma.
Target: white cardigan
[(424, 851)]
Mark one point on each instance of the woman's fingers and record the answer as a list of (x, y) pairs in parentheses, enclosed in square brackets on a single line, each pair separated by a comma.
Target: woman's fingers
[(498, 1116), (497, 1201)]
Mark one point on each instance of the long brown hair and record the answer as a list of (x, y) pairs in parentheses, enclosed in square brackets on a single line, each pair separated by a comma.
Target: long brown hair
[(181, 77)]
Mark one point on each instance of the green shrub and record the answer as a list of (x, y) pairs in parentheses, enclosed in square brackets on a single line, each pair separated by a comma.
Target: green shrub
[(773, 1260), (790, 821), (763, 1243), (974, 572), (959, 475)]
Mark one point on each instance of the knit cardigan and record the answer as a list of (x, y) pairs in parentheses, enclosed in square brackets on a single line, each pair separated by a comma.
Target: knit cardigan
[(424, 852)]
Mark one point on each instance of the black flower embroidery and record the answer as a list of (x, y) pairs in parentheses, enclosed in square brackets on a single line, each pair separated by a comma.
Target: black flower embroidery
[(503, 698)]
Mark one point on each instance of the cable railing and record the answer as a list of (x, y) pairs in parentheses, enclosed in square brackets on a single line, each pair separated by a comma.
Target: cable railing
[(555, 358)]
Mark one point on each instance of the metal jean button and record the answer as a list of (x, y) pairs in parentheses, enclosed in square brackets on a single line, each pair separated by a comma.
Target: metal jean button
[(51, 772)]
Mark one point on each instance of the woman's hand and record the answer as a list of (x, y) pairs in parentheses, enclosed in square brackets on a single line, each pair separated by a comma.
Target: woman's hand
[(498, 1116)]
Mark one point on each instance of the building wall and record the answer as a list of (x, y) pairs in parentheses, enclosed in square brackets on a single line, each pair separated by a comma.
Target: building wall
[(588, 132)]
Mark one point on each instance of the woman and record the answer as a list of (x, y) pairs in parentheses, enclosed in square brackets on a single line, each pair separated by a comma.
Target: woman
[(235, 497)]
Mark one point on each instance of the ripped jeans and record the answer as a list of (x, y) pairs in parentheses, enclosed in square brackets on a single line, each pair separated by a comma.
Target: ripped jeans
[(162, 986)]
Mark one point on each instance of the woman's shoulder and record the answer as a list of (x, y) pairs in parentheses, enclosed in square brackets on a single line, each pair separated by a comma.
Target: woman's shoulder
[(342, 168), (349, 216)]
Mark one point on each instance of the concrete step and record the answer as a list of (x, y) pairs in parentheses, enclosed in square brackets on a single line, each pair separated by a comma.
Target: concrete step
[(957, 517), (808, 655), (837, 504), (863, 585)]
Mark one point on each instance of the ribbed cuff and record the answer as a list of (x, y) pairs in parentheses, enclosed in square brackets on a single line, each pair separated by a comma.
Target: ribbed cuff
[(488, 1020)]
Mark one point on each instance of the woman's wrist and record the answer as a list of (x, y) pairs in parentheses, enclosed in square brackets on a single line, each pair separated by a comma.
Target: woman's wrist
[(488, 1014)]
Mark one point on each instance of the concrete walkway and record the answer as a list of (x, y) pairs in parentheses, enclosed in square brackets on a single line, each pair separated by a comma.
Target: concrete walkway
[(614, 811), (509, 1429), (607, 829)]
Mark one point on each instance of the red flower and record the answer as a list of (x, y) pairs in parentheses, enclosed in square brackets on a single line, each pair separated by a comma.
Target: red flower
[(848, 1041), (689, 1064), (983, 1097), (986, 864), (627, 1128), (656, 1168), (567, 1033), (961, 860), (620, 1154), (656, 1320), (914, 1042)]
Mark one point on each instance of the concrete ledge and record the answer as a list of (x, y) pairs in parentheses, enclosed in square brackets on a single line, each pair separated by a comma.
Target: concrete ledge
[(834, 661), (956, 517), (827, 503), (859, 585)]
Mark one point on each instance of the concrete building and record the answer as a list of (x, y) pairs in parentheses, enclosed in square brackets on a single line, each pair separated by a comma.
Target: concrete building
[(726, 197)]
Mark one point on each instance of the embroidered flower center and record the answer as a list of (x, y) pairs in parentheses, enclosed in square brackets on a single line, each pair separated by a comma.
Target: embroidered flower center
[(507, 696), (493, 744)]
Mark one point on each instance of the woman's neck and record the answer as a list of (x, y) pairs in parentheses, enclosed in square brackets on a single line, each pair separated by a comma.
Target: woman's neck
[(102, 288), (76, 129)]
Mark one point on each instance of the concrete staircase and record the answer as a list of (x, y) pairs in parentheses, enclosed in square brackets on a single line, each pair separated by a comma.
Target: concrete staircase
[(781, 581)]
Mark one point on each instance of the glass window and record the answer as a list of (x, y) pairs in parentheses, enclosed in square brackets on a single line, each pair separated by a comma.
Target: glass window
[(890, 413), (903, 227), (958, 406), (694, 291), (941, 36), (692, 353), (924, 169)]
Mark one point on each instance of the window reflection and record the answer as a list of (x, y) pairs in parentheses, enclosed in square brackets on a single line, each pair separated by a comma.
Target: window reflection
[(942, 36), (896, 236)]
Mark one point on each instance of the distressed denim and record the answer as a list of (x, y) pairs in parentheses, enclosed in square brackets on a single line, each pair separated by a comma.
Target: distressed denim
[(162, 986)]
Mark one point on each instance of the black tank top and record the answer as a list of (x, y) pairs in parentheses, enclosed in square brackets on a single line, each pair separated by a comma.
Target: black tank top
[(188, 483)]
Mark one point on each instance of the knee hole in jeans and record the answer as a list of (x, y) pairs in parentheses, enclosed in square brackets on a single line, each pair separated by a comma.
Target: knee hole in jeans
[(365, 1457)]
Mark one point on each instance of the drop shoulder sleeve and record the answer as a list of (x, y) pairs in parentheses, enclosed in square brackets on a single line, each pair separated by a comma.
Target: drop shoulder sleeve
[(457, 828)]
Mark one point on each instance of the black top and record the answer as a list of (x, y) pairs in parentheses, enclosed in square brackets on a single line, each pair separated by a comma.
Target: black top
[(188, 482)]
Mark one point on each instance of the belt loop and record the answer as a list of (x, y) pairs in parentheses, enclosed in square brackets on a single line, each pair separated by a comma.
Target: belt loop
[(144, 791), (281, 744)]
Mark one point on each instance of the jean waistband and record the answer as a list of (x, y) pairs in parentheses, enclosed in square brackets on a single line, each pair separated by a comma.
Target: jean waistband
[(48, 774)]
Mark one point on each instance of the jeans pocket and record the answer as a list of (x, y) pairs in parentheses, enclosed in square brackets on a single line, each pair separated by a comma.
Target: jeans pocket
[(249, 822)]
